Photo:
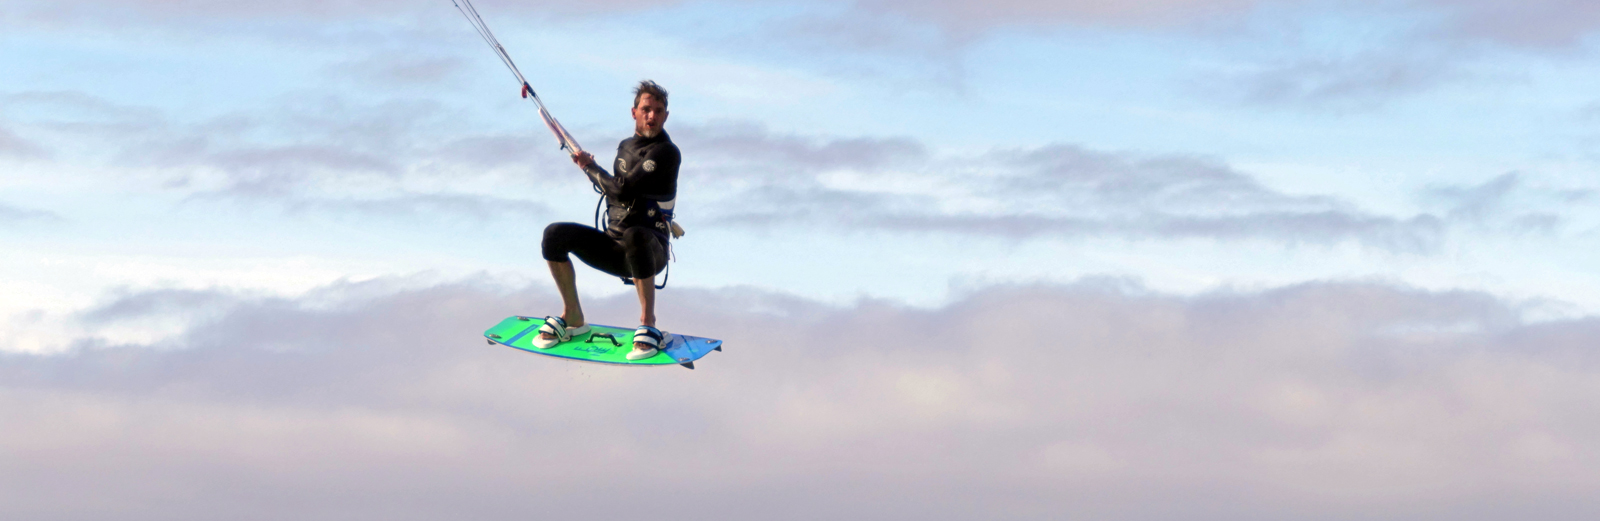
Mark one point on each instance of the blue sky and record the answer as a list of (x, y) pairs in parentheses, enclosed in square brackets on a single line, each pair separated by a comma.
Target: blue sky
[(1326, 218)]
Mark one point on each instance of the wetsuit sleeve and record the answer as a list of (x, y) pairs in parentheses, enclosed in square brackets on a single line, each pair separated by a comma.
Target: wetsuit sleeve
[(607, 183)]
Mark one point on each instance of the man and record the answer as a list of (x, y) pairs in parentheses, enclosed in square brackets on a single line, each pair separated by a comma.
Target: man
[(639, 200)]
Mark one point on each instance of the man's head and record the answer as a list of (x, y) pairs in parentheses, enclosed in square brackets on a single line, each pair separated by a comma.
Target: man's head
[(649, 108)]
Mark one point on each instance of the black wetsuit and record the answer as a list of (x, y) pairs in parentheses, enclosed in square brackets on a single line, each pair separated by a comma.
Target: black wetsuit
[(634, 244)]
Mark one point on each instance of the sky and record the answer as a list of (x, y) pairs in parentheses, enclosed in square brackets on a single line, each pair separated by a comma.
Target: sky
[(1017, 259)]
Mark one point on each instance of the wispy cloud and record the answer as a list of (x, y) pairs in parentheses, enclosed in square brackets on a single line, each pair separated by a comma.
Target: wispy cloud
[(1531, 24), (1590, 112), (1345, 400), (968, 17), (393, 158), (918, 41), (481, 208), (14, 214), (1508, 201), (399, 68), (323, 155), (1361, 82), (1057, 190), (1534, 23), (15, 147), (187, 15)]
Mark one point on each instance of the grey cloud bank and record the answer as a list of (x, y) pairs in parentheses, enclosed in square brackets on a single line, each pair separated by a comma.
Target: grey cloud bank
[(1098, 399)]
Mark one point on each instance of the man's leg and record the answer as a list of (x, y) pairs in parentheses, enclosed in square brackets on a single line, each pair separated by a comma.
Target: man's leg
[(589, 244), (647, 300), (646, 255), (567, 284)]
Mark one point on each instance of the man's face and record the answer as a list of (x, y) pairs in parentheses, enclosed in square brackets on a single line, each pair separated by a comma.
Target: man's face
[(648, 116)]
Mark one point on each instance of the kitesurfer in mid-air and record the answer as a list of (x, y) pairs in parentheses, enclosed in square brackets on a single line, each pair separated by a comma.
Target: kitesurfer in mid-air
[(639, 194)]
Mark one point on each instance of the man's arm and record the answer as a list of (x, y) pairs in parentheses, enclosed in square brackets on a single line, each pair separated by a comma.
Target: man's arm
[(609, 184), (656, 176)]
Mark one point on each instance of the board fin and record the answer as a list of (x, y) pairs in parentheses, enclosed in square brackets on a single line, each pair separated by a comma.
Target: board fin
[(689, 365)]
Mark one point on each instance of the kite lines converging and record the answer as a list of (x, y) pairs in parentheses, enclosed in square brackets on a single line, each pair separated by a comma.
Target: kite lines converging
[(471, 12)]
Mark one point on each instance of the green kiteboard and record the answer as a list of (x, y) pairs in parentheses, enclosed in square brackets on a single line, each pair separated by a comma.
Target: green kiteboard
[(602, 344)]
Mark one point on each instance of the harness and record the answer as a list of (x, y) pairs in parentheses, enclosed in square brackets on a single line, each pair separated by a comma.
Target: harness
[(661, 211)]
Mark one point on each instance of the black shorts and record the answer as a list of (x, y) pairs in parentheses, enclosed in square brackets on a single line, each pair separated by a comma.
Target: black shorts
[(640, 254)]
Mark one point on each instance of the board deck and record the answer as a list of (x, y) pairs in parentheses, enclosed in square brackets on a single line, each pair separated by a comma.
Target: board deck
[(519, 331)]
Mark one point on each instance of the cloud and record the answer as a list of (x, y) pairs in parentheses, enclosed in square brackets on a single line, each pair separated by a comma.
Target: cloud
[(1365, 81), (405, 158), (185, 15), (477, 207), (1504, 200), (394, 158), (12, 214), (1590, 112), (1536, 24), (785, 155), (1338, 400), (1533, 24), (968, 17), (77, 110), (158, 303), (14, 146), (398, 68), (915, 44), (1295, 54), (1057, 190), (317, 155)]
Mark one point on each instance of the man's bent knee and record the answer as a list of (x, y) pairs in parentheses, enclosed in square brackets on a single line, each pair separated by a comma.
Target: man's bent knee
[(552, 247)]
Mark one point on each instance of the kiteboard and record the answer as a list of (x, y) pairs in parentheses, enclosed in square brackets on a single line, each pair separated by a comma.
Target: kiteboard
[(602, 344)]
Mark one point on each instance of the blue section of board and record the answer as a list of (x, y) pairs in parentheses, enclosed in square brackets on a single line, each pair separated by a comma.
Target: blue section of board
[(686, 349)]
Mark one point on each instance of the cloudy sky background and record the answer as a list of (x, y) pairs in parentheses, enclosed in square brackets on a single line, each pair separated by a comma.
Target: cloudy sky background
[(1015, 259)]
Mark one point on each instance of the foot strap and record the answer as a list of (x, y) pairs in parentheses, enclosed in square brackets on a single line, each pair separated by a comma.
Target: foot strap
[(648, 336), (556, 327)]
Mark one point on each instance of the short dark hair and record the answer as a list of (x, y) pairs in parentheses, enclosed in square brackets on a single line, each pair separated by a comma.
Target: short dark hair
[(649, 87)]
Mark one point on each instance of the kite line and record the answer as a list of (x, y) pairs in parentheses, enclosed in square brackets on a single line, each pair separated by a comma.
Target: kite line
[(471, 12)]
